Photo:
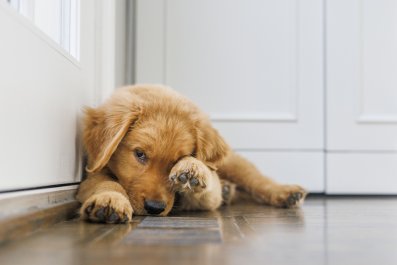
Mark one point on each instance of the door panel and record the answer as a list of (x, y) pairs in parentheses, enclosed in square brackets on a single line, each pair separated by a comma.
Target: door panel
[(361, 97), (362, 75), (303, 168), (256, 67), (362, 173), (238, 57)]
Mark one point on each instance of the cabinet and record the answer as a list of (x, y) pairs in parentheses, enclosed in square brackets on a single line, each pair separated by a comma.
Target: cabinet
[(304, 89), (256, 67), (361, 96)]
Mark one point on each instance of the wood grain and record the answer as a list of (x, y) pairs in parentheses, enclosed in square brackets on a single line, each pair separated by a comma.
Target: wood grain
[(326, 231), (16, 228)]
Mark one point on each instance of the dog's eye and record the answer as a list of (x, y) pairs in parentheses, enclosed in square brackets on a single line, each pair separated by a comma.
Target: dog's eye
[(140, 155)]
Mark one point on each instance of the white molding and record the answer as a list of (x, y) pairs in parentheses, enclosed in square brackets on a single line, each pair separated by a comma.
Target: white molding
[(303, 168), (361, 173), (22, 202), (254, 117), (377, 118), (364, 117)]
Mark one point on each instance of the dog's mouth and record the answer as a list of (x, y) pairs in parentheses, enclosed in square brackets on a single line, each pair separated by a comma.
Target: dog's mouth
[(144, 203), (154, 213), (146, 213)]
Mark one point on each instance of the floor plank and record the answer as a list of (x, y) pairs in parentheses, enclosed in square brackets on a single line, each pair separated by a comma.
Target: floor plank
[(329, 231)]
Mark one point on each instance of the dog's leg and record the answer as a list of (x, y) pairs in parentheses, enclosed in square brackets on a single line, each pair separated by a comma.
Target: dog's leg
[(247, 177), (104, 200), (198, 185)]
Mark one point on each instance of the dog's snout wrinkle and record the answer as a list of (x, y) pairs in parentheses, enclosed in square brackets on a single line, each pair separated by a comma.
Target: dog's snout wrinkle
[(154, 207)]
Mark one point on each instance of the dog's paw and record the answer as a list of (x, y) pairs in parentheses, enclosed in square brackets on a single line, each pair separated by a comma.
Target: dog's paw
[(107, 207), (228, 191), (288, 196), (190, 175)]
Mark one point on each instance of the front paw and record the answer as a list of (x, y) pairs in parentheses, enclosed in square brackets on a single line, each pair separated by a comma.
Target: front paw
[(190, 175), (107, 207), (288, 196)]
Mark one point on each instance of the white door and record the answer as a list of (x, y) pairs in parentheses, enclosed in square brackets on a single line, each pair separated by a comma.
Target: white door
[(362, 96), (46, 76), (255, 66)]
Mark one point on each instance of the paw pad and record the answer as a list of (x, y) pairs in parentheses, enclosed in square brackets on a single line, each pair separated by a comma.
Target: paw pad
[(187, 180), (294, 199), (107, 208), (183, 178), (189, 175)]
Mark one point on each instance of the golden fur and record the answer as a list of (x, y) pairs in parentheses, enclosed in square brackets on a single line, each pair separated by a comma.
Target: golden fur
[(148, 144)]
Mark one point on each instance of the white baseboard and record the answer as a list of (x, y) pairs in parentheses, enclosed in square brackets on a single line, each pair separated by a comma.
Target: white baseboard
[(362, 173), (25, 202), (305, 168)]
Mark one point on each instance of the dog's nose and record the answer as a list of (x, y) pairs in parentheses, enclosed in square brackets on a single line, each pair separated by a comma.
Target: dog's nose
[(154, 207)]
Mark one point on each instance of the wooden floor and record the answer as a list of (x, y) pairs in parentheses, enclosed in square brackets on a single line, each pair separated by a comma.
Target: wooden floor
[(326, 231)]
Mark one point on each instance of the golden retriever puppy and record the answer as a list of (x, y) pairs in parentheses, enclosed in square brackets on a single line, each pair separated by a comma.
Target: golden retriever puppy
[(148, 145)]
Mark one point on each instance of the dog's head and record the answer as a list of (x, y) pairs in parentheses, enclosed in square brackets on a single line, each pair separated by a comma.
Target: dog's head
[(139, 134)]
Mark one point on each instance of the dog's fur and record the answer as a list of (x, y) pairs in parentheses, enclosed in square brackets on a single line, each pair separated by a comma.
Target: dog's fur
[(148, 143)]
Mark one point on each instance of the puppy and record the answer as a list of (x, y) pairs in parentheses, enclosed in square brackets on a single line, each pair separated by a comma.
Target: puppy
[(148, 145)]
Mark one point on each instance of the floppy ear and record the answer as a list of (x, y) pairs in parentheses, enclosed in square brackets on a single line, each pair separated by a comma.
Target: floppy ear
[(210, 147), (104, 130)]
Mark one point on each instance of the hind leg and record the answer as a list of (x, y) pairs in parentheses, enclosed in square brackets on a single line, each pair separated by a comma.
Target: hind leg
[(240, 171), (229, 193)]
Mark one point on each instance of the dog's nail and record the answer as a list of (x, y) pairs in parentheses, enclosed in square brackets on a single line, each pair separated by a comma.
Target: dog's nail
[(182, 178), (225, 190), (296, 196), (125, 219), (114, 217), (100, 214), (88, 210), (291, 200), (204, 185), (194, 182)]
